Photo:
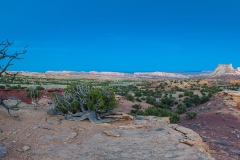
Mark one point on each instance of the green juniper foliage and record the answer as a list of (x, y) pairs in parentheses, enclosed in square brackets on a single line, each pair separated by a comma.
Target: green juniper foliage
[(83, 96)]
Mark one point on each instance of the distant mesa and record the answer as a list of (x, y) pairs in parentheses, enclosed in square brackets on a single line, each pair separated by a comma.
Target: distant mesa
[(159, 75), (225, 70), (222, 70), (138, 75)]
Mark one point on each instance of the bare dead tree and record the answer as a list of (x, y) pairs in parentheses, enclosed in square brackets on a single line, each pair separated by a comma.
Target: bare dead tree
[(9, 107), (6, 60)]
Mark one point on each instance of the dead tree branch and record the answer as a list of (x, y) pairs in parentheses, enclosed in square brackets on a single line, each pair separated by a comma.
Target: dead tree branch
[(7, 58), (7, 106)]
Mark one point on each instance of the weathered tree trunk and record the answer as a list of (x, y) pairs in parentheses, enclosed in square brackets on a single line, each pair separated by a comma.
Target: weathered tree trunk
[(92, 116)]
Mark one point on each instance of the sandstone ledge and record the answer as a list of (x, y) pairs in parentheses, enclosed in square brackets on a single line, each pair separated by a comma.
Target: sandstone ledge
[(148, 139)]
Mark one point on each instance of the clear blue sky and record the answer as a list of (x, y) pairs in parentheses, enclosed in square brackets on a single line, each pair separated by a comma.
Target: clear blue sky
[(123, 35)]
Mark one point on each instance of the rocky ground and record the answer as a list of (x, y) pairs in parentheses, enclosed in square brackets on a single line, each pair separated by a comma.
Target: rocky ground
[(218, 123), (22, 94), (40, 136), (36, 135)]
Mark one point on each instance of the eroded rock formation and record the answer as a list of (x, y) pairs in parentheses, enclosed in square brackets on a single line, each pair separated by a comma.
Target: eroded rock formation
[(225, 70)]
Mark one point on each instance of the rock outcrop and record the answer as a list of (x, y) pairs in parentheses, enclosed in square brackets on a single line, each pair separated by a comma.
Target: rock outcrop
[(225, 70), (148, 138), (232, 99), (151, 138)]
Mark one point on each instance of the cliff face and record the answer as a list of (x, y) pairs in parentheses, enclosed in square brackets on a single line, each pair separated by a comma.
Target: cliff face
[(225, 70)]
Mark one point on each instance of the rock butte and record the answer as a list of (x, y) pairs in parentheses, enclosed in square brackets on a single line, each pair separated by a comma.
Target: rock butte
[(224, 70)]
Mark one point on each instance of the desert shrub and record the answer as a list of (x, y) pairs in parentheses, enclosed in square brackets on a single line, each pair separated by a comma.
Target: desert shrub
[(180, 95), (39, 88), (191, 115), (176, 88), (129, 97), (160, 112), (136, 109), (101, 99), (188, 102), (188, 93), (167, 100), (158, 105), (174, 118), (181, 108), (137, 112), (204, 99), (196, 99), (158, 95), (138, 99), (65, 105), (2, 87), (138, 94), (33, 93), (211, 90), (80, 97), (150, 100), (15, 87), (137, 106)]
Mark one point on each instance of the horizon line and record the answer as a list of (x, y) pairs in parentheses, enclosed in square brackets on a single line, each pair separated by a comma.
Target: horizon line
[(115, 71)]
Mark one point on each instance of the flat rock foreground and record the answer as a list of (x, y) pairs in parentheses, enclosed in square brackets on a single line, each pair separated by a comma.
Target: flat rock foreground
[(39, 136)]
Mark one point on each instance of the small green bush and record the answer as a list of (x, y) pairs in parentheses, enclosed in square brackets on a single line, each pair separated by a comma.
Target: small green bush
[(33, 93), (2, 87), (84, 96), (137, 106), (137, 112), (138, 99), (15, 87), (39, 88), (191, 115), (180, 95), (181, 108), (160, 112), (101, 99), (129, 97)]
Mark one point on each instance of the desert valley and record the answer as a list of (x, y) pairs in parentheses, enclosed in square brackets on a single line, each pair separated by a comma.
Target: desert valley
[(120, 80), (156, 115)]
